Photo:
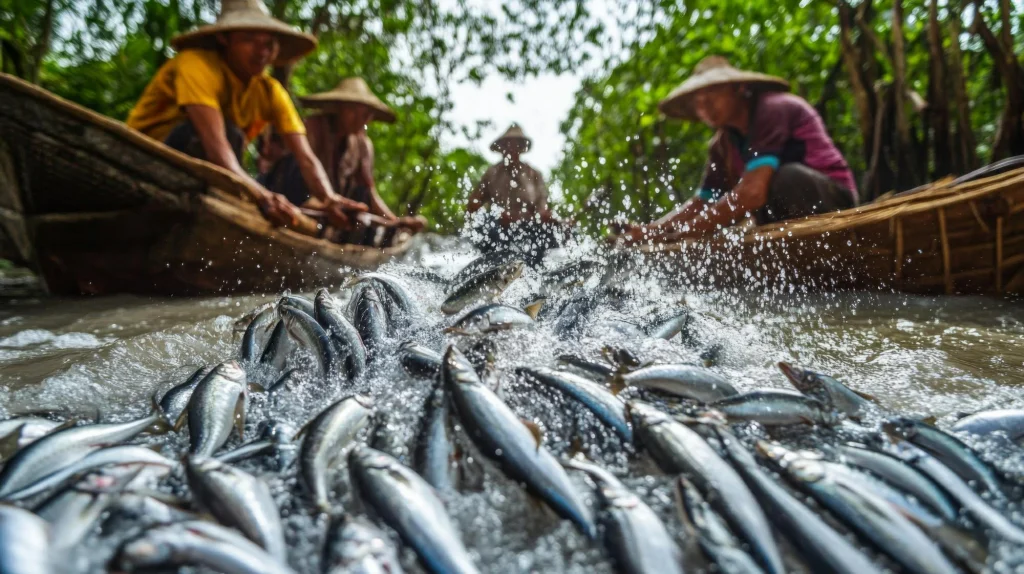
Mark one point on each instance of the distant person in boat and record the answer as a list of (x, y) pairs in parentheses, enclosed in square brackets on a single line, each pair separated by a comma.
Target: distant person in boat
[(338, 138), (771, 156), (509, 207), (215, 95)]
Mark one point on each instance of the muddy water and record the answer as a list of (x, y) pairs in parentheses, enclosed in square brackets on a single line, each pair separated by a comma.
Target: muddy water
[(923, 355)]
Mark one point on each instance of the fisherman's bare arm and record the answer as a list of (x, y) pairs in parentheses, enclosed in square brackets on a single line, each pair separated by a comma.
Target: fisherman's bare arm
[(208, 124), (749, 195), (315, 176)]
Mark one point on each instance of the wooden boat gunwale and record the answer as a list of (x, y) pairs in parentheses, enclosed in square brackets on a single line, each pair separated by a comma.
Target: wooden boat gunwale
[(183, 188)]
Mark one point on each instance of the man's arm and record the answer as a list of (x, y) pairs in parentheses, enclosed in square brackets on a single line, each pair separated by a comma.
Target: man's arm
[(479, 196), (208, 124), (749, 195), (313, 174)]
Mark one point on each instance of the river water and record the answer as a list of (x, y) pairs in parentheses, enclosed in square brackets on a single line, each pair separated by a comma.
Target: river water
[(923, 355)]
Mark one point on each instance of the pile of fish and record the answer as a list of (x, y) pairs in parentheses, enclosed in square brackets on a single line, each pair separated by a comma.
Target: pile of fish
[(368, 429)]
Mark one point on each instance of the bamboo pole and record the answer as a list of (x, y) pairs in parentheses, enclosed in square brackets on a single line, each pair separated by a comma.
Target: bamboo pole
[(999, 256), (946, 271)]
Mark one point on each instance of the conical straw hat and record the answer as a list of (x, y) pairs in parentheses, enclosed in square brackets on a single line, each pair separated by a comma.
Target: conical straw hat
[(351, 91), (238, 15), (513, 133), (714, 71)]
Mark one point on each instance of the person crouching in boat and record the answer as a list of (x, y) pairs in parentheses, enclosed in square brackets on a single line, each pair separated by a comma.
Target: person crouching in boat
[(215, 95), (771, 156), (339, 140), (510, 203)]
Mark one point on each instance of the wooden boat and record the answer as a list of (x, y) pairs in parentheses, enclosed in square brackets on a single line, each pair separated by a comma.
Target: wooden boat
[(99, 208), (956, 236)]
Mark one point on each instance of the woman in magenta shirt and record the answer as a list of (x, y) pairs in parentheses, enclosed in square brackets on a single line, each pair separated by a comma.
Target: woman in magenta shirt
[(771, 156)]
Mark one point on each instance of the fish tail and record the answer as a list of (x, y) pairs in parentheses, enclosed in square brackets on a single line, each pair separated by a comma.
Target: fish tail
[(161, 424)]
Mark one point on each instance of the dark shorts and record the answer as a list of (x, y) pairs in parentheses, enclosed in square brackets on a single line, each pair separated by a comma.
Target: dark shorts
[(798, 191), (285, 178), (185, 139)]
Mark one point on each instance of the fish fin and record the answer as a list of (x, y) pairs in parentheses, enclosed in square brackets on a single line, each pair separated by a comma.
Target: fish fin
[(9, 443), (240, 416), (617, 383), (64, 425), (807, 420), (161, 425), (929, 420), (576, 446), (453, 330), (533, 309), (682, 512), (538, 435), (180, 422), (864, 396), (256, 388)]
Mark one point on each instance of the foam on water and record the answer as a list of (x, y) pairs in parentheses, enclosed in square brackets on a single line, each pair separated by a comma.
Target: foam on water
[(933, 356)]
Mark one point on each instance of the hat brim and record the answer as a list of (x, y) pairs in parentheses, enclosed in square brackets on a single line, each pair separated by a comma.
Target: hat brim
[(328, 100), (679, 103), (500, 143), (293, 45)]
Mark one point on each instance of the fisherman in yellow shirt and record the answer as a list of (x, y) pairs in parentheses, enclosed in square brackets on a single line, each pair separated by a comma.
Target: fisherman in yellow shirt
[(215, 95)]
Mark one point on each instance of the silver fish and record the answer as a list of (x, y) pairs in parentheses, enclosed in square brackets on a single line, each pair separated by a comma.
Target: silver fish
[(347, 341), (671, 325), (678, 449), (824, 549), (278, 347), (237, 499), (24, 542), (215, 407), (500, 435), (74, 512), (355, 546), (714, 536), (18, 432), (903, 476), (838, 490), (398, 302), (434, 455), (122, 455), (482, 288), (829, 391), (312, 337), (1009, 421), (406, 503), (636, 538), (418, 360), (260, 323), (176, 398), (948, 449), (683, 381), (370, 318), (195, 544), (607, 407), (489, 319), (325, 438), (775, 408), (61, 449)]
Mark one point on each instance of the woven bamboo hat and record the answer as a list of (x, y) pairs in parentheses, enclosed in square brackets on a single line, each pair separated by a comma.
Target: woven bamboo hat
[(514, 134), (714, 71), (351, 91), (238, 15)]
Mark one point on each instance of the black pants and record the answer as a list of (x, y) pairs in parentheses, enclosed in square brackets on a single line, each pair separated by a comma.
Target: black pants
[(185, 139), (798, 191), (285, 178)]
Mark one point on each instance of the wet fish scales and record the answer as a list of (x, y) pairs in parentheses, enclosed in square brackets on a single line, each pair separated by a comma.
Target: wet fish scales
[(684, 381), (608, 408), (325, 436)]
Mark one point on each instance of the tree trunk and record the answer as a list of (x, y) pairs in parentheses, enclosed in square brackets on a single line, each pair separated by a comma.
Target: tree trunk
[(852, 62), (42, 46), (966, 156), (938, 101), (905, 160), (1009, 138)]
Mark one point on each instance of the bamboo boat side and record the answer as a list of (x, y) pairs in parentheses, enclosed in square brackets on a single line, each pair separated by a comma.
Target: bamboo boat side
[(100, 208), (952, 237)]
